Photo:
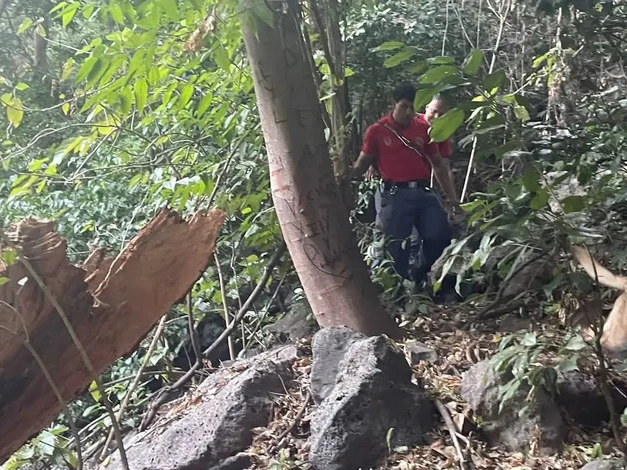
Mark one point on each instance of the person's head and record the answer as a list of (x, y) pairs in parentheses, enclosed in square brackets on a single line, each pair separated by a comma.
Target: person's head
[(404, 95), (436, 108)]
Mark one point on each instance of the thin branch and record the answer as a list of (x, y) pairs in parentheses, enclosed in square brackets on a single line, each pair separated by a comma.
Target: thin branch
[(265, 311), (603, 372), (281, 439), (227, 316), (165, 392), (276, 258), (193, 334), (452, 430), (133, 386), (3, 6)]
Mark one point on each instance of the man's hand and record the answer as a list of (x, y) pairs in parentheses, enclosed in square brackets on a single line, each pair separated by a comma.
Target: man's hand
[(370, 173)]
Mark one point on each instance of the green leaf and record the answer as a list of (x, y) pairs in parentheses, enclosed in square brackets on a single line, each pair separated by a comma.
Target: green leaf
[(521, 113), (567, 365), (3, 280), (67, 69), (399, 58), (126, 100), (141, 94), (95, 393), (116, 13), (438, 73), (57, 7), (444, 126), (27, 23), (576, 343), (539, 60), (15, 110), (388, 46), (473, 62), (494, 80), (21, 86), (88, 11), (69, 13), (531, 179), (186, 94), (221, 57), (441, 60), (540, 200), (424, 96), (86, 68), (9, 257), (171, 9), (573, 204), (99, 68), (204, 104)]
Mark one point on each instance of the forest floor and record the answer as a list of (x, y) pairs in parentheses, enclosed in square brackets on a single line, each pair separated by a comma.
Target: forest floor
[(459, 341)]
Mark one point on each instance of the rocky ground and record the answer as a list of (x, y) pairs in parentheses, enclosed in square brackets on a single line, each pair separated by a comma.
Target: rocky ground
[(340, 400)]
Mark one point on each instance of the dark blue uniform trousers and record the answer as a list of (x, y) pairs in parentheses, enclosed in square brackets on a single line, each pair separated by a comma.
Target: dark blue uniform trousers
[(398, 212)]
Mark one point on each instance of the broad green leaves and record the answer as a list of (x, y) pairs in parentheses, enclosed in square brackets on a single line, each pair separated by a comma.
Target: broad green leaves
[(438, 73), (399, 58), (473, 62), (141, 94), (444, 126), (14, 108), (389, 46)]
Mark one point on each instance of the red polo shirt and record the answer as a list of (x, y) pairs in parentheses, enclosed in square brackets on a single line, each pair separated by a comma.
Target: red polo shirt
[(395, 161)]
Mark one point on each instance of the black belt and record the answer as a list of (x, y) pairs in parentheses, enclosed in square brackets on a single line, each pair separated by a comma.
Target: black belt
[(388, 185)]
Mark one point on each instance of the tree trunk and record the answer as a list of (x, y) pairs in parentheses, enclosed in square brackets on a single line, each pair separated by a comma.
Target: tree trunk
[(111, 304), (313, 219)]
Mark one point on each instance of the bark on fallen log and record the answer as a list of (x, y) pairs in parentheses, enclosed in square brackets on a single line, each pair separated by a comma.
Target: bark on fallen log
[(111, 303)]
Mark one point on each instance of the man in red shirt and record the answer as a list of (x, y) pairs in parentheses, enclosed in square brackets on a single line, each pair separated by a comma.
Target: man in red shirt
[(406, 200)]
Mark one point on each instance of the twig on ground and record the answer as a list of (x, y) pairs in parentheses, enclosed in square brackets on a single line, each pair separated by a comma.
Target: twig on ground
[(138, 376), (452, 429), (75, 339), (165, 392), (281, 439)]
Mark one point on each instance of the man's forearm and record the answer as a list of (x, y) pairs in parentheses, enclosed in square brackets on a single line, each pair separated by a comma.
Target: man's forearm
[(443, 175), (360, 166)]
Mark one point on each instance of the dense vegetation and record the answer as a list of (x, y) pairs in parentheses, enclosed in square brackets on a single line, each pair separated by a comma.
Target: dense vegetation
[(113, 110)]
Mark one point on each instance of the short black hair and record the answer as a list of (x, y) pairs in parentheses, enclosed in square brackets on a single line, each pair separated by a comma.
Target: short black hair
[(442, 99), (404, 91)]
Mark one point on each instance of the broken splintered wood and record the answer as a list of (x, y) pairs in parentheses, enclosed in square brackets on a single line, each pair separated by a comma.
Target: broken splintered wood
[(112, 303)]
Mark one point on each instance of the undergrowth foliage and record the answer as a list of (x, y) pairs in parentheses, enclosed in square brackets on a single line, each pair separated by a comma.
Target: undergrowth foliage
[(109, 116)]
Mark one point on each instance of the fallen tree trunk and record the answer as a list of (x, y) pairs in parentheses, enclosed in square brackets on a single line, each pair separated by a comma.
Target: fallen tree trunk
[(111, 303)]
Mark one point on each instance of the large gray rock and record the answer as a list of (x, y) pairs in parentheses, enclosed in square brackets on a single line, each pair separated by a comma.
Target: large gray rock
[(241, 461), (514, 428), (328, 348), (209, 431), (373, 394), (604, 465), (574, 389)]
